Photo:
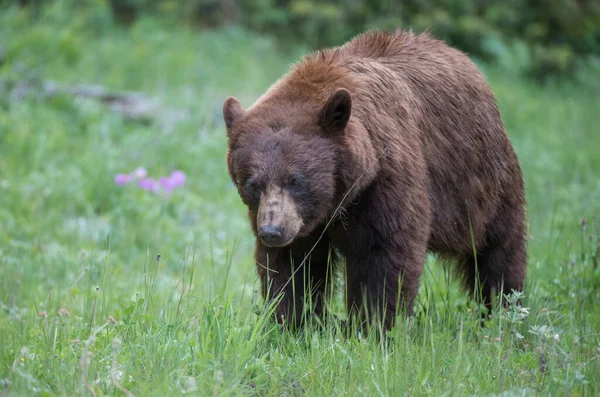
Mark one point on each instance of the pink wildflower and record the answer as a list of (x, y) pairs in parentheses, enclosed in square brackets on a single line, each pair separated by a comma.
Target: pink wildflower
[(175, 180), (139, 173), (122, 179), (164, 184), (64, 312), (148, 184)]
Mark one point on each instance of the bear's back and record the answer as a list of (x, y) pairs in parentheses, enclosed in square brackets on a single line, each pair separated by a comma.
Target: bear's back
[(416, 93)]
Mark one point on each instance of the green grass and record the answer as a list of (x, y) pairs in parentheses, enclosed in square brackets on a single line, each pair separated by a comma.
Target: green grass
[(70, 239)]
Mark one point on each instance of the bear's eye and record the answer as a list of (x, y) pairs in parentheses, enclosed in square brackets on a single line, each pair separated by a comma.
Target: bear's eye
[(295, 181), (251, 193), (251, 185)]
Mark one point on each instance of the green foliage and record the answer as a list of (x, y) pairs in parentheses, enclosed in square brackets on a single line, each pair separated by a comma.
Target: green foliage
[(554, 34), (543, 37), (84, 306), (537, 38)]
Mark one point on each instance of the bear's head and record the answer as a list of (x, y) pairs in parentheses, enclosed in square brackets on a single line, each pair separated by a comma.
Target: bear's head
[(284, 161)]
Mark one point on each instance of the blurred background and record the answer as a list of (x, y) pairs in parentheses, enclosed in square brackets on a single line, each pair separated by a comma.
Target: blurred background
[(537, 38)]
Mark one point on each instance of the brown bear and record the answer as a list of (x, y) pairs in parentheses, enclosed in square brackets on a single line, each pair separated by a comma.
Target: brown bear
[(385, 148)]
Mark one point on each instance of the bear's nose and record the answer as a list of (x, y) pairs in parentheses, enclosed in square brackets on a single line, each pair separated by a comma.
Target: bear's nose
[(270, 235)]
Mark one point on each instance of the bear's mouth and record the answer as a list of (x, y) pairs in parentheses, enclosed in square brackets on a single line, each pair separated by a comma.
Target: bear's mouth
[(278, 219), (276, 244)]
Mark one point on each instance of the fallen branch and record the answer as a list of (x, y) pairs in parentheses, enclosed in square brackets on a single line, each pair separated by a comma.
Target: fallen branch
[(132, 105)]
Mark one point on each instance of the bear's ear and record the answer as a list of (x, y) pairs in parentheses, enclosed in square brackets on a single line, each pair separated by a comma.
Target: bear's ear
[(232, 111), (334, 116)]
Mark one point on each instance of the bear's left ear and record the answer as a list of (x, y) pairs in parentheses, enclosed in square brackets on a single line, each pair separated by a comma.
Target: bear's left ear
[(334, 116), (232, 112)]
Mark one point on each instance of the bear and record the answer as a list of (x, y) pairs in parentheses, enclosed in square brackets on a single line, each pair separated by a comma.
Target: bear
[(378, 151)]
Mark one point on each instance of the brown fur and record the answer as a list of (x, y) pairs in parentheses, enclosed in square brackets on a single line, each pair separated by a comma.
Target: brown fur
[(422, 164)]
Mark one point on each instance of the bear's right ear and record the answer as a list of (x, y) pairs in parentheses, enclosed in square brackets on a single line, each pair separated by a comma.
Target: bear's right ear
[(232, 112), (334, 116)]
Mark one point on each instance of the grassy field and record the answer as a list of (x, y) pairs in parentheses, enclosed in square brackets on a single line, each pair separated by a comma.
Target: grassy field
[(86, 309)]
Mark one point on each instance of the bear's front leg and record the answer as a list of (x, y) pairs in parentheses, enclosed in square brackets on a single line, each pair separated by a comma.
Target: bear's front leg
[(384, 239), (299, 281), (375, 280)]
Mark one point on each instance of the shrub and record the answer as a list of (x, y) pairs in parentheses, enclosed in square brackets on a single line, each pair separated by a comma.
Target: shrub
[(538, 37)]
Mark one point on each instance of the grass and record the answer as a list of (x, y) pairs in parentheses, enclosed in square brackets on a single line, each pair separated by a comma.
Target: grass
[(86, 309)]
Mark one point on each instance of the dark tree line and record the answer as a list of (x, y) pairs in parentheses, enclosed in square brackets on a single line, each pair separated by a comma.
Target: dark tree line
[(550, 36)]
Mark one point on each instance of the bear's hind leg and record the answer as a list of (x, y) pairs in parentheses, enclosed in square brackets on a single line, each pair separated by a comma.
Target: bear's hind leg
[(501, 264)]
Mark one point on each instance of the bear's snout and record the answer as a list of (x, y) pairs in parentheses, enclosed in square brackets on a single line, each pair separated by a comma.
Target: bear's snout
[(278, 220)]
